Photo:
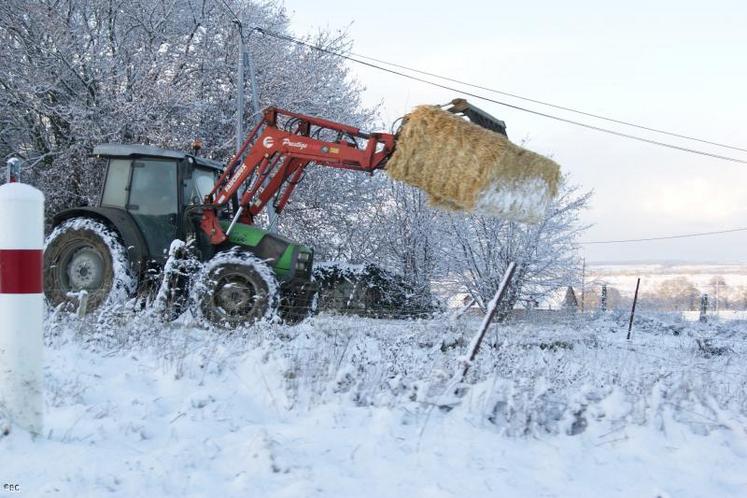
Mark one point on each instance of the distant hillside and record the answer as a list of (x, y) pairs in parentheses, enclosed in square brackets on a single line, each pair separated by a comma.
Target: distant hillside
[(623, 276)]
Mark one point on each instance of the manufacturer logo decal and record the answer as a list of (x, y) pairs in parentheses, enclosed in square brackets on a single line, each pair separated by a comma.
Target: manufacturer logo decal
[(268, 142), (223, 197), (296, 145)]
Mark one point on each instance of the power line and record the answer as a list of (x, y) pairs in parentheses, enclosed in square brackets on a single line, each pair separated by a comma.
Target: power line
[(505, 104), (666, 237), (549, 104), (538, 113), (233, 12)]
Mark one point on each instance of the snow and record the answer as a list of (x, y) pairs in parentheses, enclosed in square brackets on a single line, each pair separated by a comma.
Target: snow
[(21, 192), (339, 406), (523, 200), (22, 225), (353, 269), (171, 268)]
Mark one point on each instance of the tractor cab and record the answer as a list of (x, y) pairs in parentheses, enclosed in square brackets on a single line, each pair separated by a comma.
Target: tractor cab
[(154, 186)]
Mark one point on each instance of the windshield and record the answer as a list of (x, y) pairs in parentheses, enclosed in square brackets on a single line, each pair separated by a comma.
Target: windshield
[(203, 181)]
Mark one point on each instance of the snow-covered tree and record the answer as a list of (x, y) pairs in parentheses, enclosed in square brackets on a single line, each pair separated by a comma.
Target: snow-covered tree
[(546, 253), (673, 294), (76, 73), (413, 238)]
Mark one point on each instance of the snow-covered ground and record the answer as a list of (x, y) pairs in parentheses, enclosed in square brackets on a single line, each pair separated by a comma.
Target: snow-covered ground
[(350, 407)]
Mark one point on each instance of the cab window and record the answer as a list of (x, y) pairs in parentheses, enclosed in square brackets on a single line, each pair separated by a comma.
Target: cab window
[(115, 187), (201, 184), (154, 202)]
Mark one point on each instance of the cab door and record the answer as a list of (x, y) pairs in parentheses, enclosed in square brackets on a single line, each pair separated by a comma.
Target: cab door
[(154, 202)]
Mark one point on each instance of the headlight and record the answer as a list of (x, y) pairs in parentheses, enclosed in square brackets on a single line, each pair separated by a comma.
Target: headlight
[(303, 262)]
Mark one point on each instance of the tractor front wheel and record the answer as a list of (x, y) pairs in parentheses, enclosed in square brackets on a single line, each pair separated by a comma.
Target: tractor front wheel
[(234, 289)]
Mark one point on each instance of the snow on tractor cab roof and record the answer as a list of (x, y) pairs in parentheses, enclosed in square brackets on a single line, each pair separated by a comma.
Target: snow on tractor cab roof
[(120, 150)]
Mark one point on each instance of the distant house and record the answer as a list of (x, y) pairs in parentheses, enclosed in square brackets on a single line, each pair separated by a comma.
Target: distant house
[(570, 302)]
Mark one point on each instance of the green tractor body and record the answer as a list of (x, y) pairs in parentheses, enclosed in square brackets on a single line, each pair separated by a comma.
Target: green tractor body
[(286, 263), (151, 197)]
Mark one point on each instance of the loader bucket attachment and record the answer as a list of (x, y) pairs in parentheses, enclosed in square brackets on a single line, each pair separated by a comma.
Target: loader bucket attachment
[(461, 107), (471, 165)]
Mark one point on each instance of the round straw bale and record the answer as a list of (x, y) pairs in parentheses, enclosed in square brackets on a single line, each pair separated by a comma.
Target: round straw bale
[(463, 166)]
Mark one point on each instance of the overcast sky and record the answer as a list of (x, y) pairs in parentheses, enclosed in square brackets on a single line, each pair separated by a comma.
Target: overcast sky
[(676, 65)]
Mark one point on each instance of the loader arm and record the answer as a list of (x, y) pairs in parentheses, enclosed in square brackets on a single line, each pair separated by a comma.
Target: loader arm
[(272, 160)]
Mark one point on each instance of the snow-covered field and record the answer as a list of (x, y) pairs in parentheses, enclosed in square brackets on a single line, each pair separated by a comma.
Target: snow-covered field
[(623, 276), (350, 407)]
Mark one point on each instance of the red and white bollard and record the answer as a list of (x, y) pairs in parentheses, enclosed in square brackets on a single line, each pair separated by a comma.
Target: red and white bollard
[(21, 304)]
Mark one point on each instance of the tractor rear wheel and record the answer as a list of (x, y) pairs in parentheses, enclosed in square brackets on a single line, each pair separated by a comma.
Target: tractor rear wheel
[(234, 289), (82, 254)]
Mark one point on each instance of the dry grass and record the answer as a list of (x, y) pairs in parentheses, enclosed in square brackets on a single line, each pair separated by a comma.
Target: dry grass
[(457, 163)]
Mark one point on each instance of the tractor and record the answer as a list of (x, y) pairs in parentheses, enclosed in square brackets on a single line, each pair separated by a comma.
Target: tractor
[(149, 198), (239, 273)]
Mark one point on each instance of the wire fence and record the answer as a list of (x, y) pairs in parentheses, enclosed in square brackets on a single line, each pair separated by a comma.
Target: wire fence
[(372, 305)]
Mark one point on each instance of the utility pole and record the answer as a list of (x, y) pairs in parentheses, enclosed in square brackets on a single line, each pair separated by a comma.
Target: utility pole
[(240, 91), (271, 214), (253, 80), (245, 59)]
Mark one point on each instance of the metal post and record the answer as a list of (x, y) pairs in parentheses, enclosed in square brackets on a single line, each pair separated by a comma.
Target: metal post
[(454, 387), (240, 92), (474, 346), (583, 285), (253, 81), (245, 58), (632, 311), (271, 214), (703, 318), (13, 171)]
